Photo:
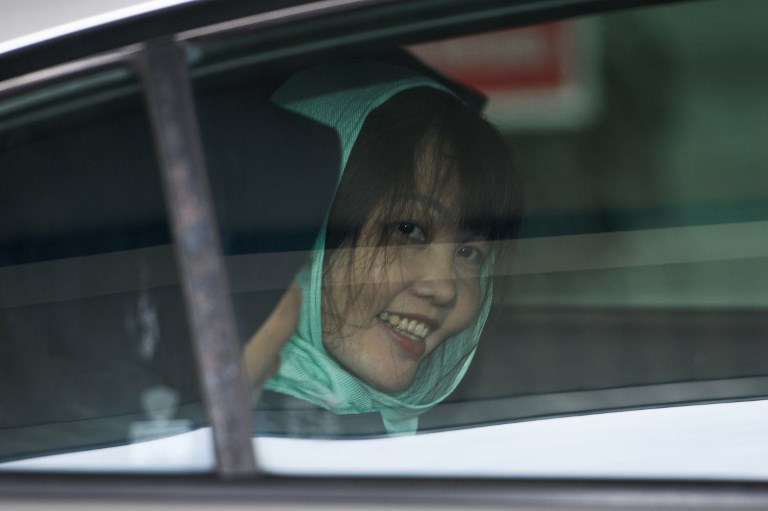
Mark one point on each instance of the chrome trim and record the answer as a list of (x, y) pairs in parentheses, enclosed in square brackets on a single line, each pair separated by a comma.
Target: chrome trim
[(69, 70), (453, 13), (274, 17)]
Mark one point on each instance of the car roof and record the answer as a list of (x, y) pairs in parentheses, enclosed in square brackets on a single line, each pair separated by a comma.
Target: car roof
[(31, 22)]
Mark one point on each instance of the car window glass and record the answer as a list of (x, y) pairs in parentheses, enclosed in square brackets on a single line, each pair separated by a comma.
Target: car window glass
[(637, 264), (94, 345), (625, 333), (637, 278)]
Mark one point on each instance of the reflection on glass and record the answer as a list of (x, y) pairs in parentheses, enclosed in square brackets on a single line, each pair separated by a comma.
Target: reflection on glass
[(630, 314), (94, 348), (638, 282)]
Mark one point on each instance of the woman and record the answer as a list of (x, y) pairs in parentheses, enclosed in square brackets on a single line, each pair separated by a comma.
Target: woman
[(398, 290)]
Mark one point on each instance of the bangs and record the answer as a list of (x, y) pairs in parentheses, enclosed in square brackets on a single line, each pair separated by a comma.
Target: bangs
[(424, 141), (475, 168)]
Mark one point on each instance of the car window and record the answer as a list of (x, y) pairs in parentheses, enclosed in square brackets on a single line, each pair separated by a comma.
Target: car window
[(605, 318), (660, 196), (636, 281), (95, 347)]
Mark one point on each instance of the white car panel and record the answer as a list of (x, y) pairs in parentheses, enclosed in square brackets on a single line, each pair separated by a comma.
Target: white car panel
[(724, 441)]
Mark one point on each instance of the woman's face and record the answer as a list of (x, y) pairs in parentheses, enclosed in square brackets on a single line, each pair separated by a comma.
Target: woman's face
[(396, 303)]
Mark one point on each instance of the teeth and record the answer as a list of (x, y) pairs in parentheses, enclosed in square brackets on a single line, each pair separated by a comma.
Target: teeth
[(415, 329)]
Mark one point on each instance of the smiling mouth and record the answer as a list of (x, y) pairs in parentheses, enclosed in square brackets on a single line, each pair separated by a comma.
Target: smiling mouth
[(412, 328)]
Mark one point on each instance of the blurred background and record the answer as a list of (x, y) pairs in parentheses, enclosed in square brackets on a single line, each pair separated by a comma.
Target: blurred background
[(643, 260)]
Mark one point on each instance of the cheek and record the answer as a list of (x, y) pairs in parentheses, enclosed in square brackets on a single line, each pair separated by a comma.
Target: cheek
[(354, 292), (467, 303), (379, 274)]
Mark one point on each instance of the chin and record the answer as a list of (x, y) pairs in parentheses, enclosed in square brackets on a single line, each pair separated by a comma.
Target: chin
[(390, 385)]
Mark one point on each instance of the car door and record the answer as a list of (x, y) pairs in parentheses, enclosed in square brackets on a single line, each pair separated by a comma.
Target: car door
[(630, 328)]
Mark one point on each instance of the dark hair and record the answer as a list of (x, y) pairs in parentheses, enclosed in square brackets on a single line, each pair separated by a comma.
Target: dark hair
[(427, 123), (417, 126)]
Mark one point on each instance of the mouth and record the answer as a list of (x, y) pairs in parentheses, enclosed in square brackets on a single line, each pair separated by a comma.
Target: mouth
[(415, 329)]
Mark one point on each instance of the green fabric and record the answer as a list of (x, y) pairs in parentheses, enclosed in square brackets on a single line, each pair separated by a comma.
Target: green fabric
[(341, 96)]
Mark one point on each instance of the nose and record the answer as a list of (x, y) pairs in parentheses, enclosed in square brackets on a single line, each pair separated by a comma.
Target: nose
[(435, 279)]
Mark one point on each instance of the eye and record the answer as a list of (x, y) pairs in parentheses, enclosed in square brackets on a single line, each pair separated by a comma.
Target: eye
[(472, 254), (412, 231)]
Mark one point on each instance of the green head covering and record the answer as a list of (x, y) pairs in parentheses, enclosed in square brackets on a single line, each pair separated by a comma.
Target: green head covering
[(341, 96)]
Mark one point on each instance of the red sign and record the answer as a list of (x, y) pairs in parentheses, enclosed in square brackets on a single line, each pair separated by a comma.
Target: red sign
[(534, 76), (521, 58)]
